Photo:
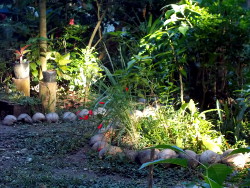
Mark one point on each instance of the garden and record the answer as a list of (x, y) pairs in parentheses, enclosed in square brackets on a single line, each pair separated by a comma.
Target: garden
[(108, 93)]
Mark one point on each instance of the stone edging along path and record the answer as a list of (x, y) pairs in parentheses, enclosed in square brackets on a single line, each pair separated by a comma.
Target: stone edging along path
[(101, 143)]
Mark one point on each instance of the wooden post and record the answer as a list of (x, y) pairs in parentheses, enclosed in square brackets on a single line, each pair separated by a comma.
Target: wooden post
[(23, 85), (48, 95)]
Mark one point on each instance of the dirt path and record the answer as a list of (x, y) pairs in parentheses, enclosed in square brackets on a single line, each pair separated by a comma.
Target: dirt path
[(58, 155)]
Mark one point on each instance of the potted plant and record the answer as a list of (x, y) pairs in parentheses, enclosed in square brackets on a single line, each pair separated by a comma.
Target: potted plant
[(21, 65)]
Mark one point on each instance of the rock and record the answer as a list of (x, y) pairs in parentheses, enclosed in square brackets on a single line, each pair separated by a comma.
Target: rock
[(247, 157), (99, 145), (9, 120), (192, 158), (69, 116), (236, 160), (96, 138), (38, 117), (167, 154), (52, 117), (210, 157), (110, 150), (83, 113), (145, 155), (131, 154), (142, 100), (25, 118)]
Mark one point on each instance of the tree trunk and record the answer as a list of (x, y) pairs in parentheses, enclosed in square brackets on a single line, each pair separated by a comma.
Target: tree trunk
[(43, 34)]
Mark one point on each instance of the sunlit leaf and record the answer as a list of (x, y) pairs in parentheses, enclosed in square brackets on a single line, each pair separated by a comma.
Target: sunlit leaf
[(33, 66), (183, 29), (211, 145)]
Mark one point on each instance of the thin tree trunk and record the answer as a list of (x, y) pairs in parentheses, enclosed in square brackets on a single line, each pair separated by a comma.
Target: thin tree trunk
[(151, 170), (43, 34), (181, 87)]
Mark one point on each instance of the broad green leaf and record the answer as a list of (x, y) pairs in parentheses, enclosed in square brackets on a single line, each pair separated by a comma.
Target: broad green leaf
[(33, 66), (63, 62), (183, 29), (131, 63), (169, 13), (35, 73), (240, 150), (209, 144), (178, 161), (212, 183), (218, 173)]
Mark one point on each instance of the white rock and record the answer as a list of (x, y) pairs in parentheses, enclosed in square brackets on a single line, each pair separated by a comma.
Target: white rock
[(9, 120), (247, 157), (83, 113), (192, 157), (69, 116), (52, 117), (236, 160), (99, 145), (24, 118), (210, 157), (110, 150), (38, 117), (96, 138), (145, 155)]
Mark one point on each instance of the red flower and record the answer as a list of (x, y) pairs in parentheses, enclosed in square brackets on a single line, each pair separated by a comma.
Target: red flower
[(78, 112), (99, 149), (90, 112), (99, 126), (126, 89), (86, 117), (71, 21), (101, 102)]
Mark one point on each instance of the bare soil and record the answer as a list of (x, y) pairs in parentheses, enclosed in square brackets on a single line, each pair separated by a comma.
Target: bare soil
[(58, 155)]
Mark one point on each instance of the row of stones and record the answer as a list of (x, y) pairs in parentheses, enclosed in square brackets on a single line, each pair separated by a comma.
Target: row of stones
[(100, 143), (51, 117)]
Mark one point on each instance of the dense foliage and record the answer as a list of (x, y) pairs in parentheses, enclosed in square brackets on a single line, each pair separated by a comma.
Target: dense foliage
[(191, 53)]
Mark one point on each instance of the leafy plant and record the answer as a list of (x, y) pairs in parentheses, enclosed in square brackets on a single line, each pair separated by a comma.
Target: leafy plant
[(233, 116), (59, 63), (20, 54), (214, 175), (85, 69)]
